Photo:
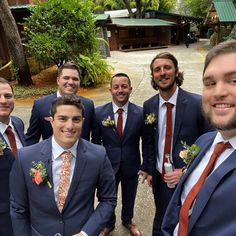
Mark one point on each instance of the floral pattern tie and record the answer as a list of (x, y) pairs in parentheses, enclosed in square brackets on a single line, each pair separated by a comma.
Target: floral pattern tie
[(64, 182)]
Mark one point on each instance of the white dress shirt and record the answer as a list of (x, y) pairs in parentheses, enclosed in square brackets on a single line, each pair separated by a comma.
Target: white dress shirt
[(195, 175), (162, 127), (3, 128)]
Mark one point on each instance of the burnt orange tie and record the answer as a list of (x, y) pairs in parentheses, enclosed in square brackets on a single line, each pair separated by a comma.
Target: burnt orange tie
[(184, 211), (12, 139), (167, 147), (120, 122), (64, 182)]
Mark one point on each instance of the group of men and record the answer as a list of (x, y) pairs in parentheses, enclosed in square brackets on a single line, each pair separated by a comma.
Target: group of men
[(50, 188)]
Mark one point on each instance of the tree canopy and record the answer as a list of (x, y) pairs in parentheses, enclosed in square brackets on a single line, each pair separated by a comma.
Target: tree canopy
[(59, 31)]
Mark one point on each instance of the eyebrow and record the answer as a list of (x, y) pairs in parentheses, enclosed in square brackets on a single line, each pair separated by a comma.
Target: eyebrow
[(225, 75)]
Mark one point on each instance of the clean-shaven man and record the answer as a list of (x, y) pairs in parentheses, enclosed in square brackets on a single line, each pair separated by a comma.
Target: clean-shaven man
[(53, 183)]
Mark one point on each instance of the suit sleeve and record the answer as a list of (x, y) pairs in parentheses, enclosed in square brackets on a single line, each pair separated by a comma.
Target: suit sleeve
[(33, 134), (106, 195), (19, 201), (96, 134)]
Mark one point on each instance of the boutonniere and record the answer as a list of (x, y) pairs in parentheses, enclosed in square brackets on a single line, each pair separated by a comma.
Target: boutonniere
[(2, 146), (189, 152), (150, 119), (108, 122), (39, 173)]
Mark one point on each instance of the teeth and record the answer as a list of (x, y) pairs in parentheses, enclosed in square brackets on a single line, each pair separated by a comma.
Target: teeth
[(222, 105)]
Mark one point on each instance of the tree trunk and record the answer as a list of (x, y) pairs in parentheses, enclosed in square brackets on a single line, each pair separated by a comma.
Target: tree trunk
[(14, 44), (127, 4), (139, 9)]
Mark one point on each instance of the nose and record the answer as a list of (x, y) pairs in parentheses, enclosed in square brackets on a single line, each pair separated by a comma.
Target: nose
[(2, 98), (162, 71), (220, 89), (69, 123)]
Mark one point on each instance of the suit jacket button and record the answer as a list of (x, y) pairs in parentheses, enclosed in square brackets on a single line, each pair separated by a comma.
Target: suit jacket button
[(57, 234)]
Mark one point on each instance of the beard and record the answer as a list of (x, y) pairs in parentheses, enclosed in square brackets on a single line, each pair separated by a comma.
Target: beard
[(169, 87), (231, 124)]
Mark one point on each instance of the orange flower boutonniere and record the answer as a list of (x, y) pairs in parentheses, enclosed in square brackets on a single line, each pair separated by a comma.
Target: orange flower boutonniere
[(39, 174)]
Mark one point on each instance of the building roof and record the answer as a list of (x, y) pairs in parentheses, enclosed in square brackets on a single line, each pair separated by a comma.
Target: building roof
[(103, 17), (124, 22), (225, 10), (119, 13), (24, 6)]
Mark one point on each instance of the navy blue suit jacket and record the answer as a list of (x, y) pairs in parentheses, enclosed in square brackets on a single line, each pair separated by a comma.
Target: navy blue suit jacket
[(6, 161), (213, 212), (124, 154), (189, 125), (33, 207), (40, 127)]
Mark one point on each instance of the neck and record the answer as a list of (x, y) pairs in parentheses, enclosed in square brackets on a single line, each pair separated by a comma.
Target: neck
[(167, 94)]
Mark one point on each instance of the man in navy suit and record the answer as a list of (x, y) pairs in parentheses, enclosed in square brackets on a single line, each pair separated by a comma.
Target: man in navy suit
[(212, 211), (188, 124), (68, 82), (7, 148), (123, 151), (39, 171)]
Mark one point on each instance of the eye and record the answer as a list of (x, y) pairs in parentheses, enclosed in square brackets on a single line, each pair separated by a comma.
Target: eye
[(77, 119), (8, 96), (62, 118)]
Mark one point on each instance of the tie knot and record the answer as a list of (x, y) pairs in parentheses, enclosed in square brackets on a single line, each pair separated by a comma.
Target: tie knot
[(9, 129), (66, 156), (120, 110), (220, 147), (169, 105)]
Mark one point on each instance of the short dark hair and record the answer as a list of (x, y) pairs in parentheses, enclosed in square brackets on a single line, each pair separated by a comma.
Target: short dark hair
[(120, 75), (4, 81), (69, 65), (225, 47), (70, 99), (167, 55)]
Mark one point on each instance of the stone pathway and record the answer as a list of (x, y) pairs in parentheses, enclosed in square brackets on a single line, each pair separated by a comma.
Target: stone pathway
[(136, 65)]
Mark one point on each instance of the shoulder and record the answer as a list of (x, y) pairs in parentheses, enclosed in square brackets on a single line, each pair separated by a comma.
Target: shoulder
[(135, 108), (92, 150), (16, 120), (86, 101), (45, 99), (151, 100), (206, 138), (190, 95), (103, 107)]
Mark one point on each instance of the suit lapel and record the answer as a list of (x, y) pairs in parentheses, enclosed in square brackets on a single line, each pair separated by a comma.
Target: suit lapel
[(80, 164), (179, 115), (209, 186), (20, 134)]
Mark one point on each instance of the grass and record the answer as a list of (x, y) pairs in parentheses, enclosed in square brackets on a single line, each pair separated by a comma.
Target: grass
[(32, 91)]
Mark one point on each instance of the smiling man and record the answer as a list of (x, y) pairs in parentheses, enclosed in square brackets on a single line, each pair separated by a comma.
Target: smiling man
[(69, 171), (204, 200), (68, 82), (121, 138), (178, 117), (11, 137)]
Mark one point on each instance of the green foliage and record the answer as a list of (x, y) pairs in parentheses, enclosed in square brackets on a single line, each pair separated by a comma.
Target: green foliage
[(59, 30), (232, 34), (197, 8), (108, 5), (14, 71), (166, 5), (95, 70)]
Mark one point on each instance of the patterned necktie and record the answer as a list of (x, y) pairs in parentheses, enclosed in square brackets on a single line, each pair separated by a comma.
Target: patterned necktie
[(120, 122), (12, 139), (184, 211), (64, 182), (167, 147)]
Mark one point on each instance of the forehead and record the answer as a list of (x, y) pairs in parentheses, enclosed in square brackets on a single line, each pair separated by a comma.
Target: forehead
[(120, 80), (69, 72), (5, 88), (221, 65), (162, 62), (68, 110)]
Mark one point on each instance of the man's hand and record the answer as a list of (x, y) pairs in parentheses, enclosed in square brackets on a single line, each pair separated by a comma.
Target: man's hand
[(149, 180), (142, 175), (173, 177)]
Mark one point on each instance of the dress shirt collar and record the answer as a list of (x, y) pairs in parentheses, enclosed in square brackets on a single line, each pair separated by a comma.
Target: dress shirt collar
[(115, 107), (219, 138), (58, 94), (3, 126), (57, 150), (172, 100)]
